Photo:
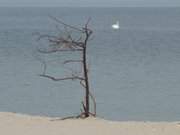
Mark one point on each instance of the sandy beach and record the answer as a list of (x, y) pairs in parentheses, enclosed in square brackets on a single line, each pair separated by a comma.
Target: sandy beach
[(19, 124)]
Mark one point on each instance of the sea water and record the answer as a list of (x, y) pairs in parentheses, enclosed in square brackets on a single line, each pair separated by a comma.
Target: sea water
[(134, 71)]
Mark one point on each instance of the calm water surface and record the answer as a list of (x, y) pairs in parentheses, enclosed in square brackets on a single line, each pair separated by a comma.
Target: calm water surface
[(134, 71)]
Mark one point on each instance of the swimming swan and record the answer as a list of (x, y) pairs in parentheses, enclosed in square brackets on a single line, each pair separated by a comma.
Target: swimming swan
[(116, 25)]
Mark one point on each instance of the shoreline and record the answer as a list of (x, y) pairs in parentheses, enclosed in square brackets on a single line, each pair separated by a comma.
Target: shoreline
[(22, 124)]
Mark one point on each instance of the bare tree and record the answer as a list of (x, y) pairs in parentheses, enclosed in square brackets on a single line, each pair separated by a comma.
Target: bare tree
[(71, 43)]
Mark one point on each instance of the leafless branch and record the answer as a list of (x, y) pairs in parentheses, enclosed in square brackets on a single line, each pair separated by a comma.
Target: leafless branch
[(82, 84), (67, 25), (94, 102), (71, 61), (57, 50), (89, 19), (61, 79), (66, 42), (45, 36), (84, 107)]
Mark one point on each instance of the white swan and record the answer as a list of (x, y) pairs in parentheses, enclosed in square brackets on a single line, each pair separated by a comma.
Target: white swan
[(116, 25)]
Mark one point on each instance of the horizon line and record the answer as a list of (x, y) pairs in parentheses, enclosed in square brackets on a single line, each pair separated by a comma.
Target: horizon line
[(64, 6)]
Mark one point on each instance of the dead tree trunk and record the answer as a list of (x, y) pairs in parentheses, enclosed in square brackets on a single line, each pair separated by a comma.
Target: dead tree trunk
[(88, 33)]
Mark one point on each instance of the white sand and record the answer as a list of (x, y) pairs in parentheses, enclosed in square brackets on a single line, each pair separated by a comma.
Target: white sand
[(17, 124)]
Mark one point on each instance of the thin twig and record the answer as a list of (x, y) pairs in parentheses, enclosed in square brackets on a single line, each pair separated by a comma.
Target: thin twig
[(58, 50), (61, 79), (71, 61), (67, 25)]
